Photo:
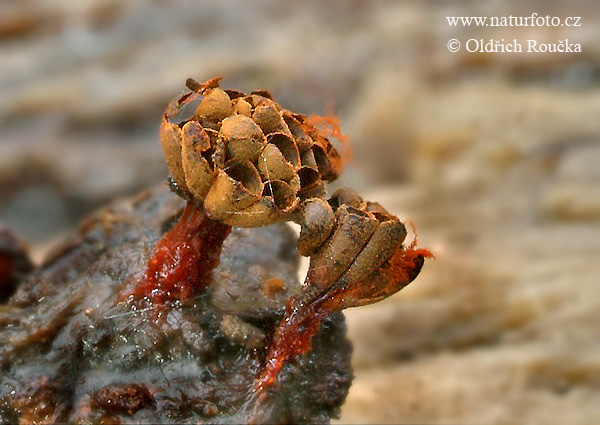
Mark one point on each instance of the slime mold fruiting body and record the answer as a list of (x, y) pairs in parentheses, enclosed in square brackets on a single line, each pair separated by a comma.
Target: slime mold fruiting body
[(242, 160)]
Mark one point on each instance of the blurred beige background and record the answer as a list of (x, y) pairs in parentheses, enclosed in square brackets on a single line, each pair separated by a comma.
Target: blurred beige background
[(494, 157)]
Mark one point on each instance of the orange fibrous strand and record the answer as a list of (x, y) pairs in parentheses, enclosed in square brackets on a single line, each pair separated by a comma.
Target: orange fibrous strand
[(405, 260), (183, 260), (403, 263), (329, 126)]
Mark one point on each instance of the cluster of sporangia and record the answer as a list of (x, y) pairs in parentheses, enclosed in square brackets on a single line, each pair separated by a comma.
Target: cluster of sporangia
[(249, 160), (242, 160)]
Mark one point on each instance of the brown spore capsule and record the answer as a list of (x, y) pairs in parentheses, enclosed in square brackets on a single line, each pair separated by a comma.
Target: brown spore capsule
[(287, 146), (318, 222), (261, 213), (242, 107), (215, 106), (281, 193), (269, 119), (346, 196), (243, 137), (307, 159), (170, 138), (353, 231), (198, 172), (375, 208), (273, 165), (257, 100), (305, 311), (326, 169), (309, 178), (294, 182), (280, 159), (317, 190), (303, 140), (384, 242), (235, 187)]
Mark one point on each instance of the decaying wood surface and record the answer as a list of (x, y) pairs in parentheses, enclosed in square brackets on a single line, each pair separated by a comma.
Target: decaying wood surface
[(73, 349)]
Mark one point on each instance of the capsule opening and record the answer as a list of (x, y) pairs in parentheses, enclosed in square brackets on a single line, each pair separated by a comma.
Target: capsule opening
[(308, 159), (268, 118), (281, 192), (303, 140), (186, 109), (286, 146), (208, 156), (209, 153), (234, 94), (246, 174), (293, 125), (347, 196), (308, 177), (356, 211), (321, 159), (381, 217)]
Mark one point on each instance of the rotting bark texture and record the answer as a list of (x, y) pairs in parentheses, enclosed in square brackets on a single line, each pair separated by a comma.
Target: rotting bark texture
[(71, 350)]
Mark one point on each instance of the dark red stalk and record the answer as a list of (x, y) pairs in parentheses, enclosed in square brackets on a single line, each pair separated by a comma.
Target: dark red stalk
[(183, 260)]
